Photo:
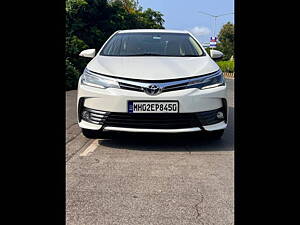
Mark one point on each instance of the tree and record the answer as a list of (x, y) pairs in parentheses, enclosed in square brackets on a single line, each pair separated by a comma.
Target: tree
[(153, 19), (226, 40), (89, 23), (129, 5)]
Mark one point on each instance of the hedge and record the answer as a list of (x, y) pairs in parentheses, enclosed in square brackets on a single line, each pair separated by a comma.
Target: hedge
[(226, 66), (72, 75)]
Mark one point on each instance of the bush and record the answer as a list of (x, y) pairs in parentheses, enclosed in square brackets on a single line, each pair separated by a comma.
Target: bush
[(72, 75), (226, 66)]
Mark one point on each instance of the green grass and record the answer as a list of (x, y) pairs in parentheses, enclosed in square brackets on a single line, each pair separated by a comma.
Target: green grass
[(226, 66)]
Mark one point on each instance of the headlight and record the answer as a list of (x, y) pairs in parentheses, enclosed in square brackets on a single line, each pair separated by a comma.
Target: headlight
[(94, 80), (212, 80)]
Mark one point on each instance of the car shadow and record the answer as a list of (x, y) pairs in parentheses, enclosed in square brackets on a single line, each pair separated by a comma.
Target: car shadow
[(172, 142)]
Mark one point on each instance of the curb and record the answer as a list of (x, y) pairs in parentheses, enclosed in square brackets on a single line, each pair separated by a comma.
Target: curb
[(228, 75)]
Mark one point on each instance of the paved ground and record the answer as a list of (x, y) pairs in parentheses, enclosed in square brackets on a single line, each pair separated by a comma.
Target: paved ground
[(149, 179)]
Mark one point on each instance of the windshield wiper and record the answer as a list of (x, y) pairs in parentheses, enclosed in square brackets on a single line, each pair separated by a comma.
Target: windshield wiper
[(190, 55)]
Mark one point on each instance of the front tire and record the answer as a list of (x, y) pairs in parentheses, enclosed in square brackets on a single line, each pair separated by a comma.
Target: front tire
[(91, 134)]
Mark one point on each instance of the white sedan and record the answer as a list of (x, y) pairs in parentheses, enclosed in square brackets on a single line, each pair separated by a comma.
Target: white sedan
[(157, 81)]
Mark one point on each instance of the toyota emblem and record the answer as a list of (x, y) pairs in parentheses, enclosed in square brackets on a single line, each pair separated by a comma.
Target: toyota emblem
[(152, 89)]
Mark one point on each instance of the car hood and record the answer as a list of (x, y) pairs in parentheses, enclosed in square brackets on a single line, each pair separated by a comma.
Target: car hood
[(152, 68)]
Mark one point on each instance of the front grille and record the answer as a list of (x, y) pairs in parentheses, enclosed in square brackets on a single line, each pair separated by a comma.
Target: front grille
[(165, 85), (171, 87), (152, 120), (175, 87), (131, 87)]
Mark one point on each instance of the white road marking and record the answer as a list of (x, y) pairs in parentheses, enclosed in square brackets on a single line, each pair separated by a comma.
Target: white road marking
[(90, 149)]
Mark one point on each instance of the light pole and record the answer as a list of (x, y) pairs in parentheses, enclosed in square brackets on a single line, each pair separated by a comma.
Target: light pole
[(215, 17)]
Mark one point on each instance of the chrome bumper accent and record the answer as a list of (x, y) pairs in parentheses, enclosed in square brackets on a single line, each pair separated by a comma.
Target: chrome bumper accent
[(141, 130)]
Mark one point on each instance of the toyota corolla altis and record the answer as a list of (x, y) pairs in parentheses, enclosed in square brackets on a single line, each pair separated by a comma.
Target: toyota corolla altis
[(153, 81)]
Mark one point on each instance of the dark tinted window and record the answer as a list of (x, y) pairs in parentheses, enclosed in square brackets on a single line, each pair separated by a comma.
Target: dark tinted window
[(152, 44)]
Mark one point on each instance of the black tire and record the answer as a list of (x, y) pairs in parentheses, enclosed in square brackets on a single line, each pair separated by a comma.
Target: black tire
[(216, 134), (91, 134)]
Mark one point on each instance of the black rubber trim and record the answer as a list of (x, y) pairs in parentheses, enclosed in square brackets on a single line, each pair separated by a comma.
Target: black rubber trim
[(80, 107), (224, 101)]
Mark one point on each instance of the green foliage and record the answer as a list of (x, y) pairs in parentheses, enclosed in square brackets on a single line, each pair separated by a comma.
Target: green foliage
[(89, 23), (226, 66), (226, 40), (207, 50), (72, 6), (72, 75), (73, 47), (153, 19)]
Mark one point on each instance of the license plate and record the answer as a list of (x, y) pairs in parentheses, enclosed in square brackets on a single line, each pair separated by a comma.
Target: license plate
[(153, 107)]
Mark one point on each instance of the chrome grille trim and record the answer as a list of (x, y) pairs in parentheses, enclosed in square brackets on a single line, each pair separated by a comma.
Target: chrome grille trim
[(165, 86), (96, 115), (176, 87), (96, 118), (130, 87), (97, 111)]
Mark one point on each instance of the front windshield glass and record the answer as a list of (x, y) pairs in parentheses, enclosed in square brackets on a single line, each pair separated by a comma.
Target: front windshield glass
[(152, 44)]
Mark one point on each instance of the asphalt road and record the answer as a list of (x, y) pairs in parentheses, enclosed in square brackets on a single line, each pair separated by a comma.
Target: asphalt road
[(149, 179)]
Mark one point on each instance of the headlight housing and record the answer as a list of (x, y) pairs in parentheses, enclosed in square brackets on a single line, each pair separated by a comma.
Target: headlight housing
[(92, 79), (209, 81)]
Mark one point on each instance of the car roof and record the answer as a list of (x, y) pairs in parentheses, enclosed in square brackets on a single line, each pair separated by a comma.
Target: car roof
[(153, 31)]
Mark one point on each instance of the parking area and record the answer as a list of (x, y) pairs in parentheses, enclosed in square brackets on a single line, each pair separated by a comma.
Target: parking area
[(149, 179)]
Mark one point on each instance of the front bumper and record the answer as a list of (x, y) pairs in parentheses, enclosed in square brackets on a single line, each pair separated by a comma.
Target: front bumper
[(114, 102)]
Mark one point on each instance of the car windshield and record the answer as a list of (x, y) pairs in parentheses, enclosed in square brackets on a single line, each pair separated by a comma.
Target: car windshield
[(152, 44)]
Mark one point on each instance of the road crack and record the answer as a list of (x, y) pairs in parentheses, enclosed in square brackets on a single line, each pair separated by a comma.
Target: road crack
[(197, 210), (196, 206)]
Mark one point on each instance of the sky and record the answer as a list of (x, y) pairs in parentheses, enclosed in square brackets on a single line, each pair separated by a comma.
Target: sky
[(184, 15)]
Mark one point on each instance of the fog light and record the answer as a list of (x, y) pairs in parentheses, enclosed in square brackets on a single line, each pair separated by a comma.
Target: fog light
[(220, 115), (85, 115)]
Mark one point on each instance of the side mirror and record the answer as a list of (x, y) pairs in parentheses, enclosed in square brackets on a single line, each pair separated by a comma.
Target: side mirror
[(88, 53), (216, 55)]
